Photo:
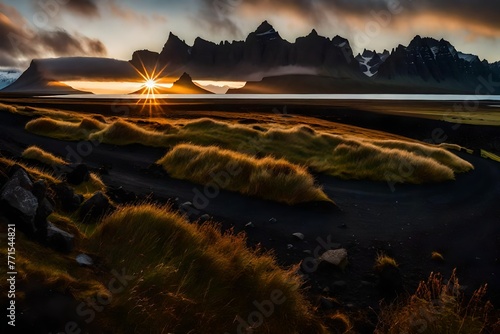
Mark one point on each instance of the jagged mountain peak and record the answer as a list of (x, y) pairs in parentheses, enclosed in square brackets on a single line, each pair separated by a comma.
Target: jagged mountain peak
[(264, 28), (185, 78)]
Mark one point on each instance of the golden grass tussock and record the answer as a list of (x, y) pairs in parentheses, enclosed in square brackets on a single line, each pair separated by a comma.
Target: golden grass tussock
[(35, 172), (267, 178), (186, 275), (383, 262), (93, 185), (8, 108), (36, 153), (63, 129), (442, 156), (438, 307), (337, 154), (125, 133)]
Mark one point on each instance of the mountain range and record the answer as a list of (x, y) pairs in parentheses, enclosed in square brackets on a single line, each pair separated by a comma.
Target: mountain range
[(311, 64)]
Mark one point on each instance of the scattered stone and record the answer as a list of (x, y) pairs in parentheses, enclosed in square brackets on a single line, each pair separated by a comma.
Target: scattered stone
[(120, 195), (289, 246), (250, 225), (204, 218), (337, 257), (66, 197), (298, 236), (78, 175), (343, 226), (326, 303), (273, 220), (59, 240), (84, 260), (95, 207), (307, 251), (186, 206)]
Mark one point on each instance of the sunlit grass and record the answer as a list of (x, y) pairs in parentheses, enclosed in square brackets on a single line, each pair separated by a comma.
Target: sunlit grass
[(337, 152), (36, 153), (65, 130), (267, 178), (36, 172), (187, 275), (383, 262), (438, 307)]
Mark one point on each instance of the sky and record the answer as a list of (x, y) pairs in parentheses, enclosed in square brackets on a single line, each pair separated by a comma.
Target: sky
[(116, 28)]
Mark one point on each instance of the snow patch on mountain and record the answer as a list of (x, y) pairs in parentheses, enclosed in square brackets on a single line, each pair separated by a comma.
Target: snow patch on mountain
[(7, 77)]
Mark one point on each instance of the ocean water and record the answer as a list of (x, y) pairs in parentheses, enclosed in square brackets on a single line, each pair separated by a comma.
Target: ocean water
[(368, 97)]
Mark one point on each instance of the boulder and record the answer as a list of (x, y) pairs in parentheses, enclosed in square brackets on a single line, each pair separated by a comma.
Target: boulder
[(78, 175), (59, 240), (18, 172), (204, 218), (18, 202), (66, 197), (39, 189), (336, 257), (120, 195), (95, 207)]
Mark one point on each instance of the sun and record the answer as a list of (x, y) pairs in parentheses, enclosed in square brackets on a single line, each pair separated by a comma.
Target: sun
[(150, 84)]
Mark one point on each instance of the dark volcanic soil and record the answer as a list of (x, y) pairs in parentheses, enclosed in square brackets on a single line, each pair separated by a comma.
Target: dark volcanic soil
[(459, 219)]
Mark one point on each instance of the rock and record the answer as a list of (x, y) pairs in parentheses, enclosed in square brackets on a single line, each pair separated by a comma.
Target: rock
[(337, 257), (39, 189), (289, 246), (250, 225), (273, 220), (44, 210), (78, 175), (18, 202), (205, 217), (307, 251), (298, 236), (186, 206), (95, 207), (18, 172), (58, 239), (68, 200), (120, 195), (84, 260)]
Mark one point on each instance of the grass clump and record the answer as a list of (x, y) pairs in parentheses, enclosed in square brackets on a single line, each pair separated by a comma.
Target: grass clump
[(36, 153), (438, 307), (186, 276), (266, 178), (35, 172), (125, 133), (65, 130), (383, 262), (331, 150)]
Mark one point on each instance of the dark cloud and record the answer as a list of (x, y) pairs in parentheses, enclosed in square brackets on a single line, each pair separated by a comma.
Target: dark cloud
[(19, 43), (480, 16), (86, 8), (217, 16)]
